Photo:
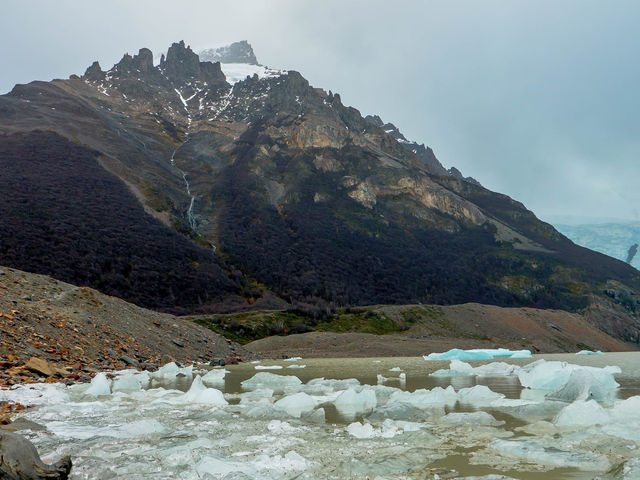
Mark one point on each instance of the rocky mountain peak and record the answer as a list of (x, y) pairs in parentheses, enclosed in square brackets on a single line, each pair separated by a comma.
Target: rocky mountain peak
[(94, 72), (238, 52), (182, 65)]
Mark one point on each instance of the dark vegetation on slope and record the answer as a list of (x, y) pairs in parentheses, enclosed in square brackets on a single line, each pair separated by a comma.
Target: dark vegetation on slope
[(65, 216), (339, 252)]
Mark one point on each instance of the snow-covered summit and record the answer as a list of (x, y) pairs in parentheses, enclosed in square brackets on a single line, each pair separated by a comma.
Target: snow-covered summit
[(237, 52), (238, 61)]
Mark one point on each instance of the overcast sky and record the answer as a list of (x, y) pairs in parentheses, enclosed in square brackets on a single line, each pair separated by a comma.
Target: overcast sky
[(539, 99)]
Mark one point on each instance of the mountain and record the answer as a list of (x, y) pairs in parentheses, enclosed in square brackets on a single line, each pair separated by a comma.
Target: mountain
[(182, 188), (238, 52)]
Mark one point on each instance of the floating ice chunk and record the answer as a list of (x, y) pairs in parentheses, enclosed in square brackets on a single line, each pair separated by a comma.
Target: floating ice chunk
[(215, 377), (126, 383), (317, 416), (478, 354), (256, 362), (170, 371), (198, 393), (582, 413), (474, 418), (536, 450), (437, 397), (297, 366), (395, 369), (456, 368), (589, 352), (270, 380), (100, 385), (553, 376), (219, 466), (388, 429), (36, 394), (291, 461), (358, 430), (296, 404), (292, 359), (268, 367), (141, 428), (351, 403), (582, 385), (334, 384), (496, 369), (479, 396), (256, 394), (279, 427), (381, 379)]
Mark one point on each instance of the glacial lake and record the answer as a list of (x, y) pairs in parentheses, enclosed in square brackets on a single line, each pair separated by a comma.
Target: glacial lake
[(418, 427)]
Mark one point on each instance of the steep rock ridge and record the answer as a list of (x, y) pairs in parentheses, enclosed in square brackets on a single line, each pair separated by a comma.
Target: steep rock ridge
[(297, 194)]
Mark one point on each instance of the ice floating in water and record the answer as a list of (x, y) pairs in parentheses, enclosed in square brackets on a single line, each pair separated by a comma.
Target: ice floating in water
[(388, 429), (100, 385), (351, 403), (539, 451), (478, 354), (474, 418), (270, 380), (127, 383), (215, 377), (553, 376), (456, 368), (581, 413), (198, 393), (292, 359), (268, 367), (297, 366), (589, 352), (437, 397), (296, 405), (478, 395), (395, 369), (170, 371)]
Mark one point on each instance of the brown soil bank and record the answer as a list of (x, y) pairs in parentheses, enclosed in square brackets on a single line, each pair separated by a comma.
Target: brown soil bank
[(459, 326), (77, 330)]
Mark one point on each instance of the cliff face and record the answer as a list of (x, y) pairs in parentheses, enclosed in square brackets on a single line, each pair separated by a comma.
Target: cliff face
[(296, 196)]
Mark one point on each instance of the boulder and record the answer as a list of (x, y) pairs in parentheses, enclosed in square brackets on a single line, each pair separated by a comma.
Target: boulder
[(20, 461)]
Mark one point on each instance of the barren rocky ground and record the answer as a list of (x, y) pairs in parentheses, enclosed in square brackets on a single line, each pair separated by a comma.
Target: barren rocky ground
[(51, 330)]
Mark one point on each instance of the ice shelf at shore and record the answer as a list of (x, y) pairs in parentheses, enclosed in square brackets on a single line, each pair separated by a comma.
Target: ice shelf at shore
[(277, 426)]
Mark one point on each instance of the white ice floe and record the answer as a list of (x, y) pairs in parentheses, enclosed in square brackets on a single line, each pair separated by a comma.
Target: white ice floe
[(388, 429), (395, 369), (270, 380), (297, 366), (171, 371), (268, 367), (100, 385), (292, 359), (473, 418), (436, 397), (351, 403), (215, 377), (553, 376), (456, 368), (539, 451), (198, 393), (36, 394), (127, 383), (589, 352), (296, 405), (478, 354), (478, 396)]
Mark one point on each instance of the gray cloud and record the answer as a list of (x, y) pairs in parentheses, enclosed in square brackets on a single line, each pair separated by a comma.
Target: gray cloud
[(538, 100)]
